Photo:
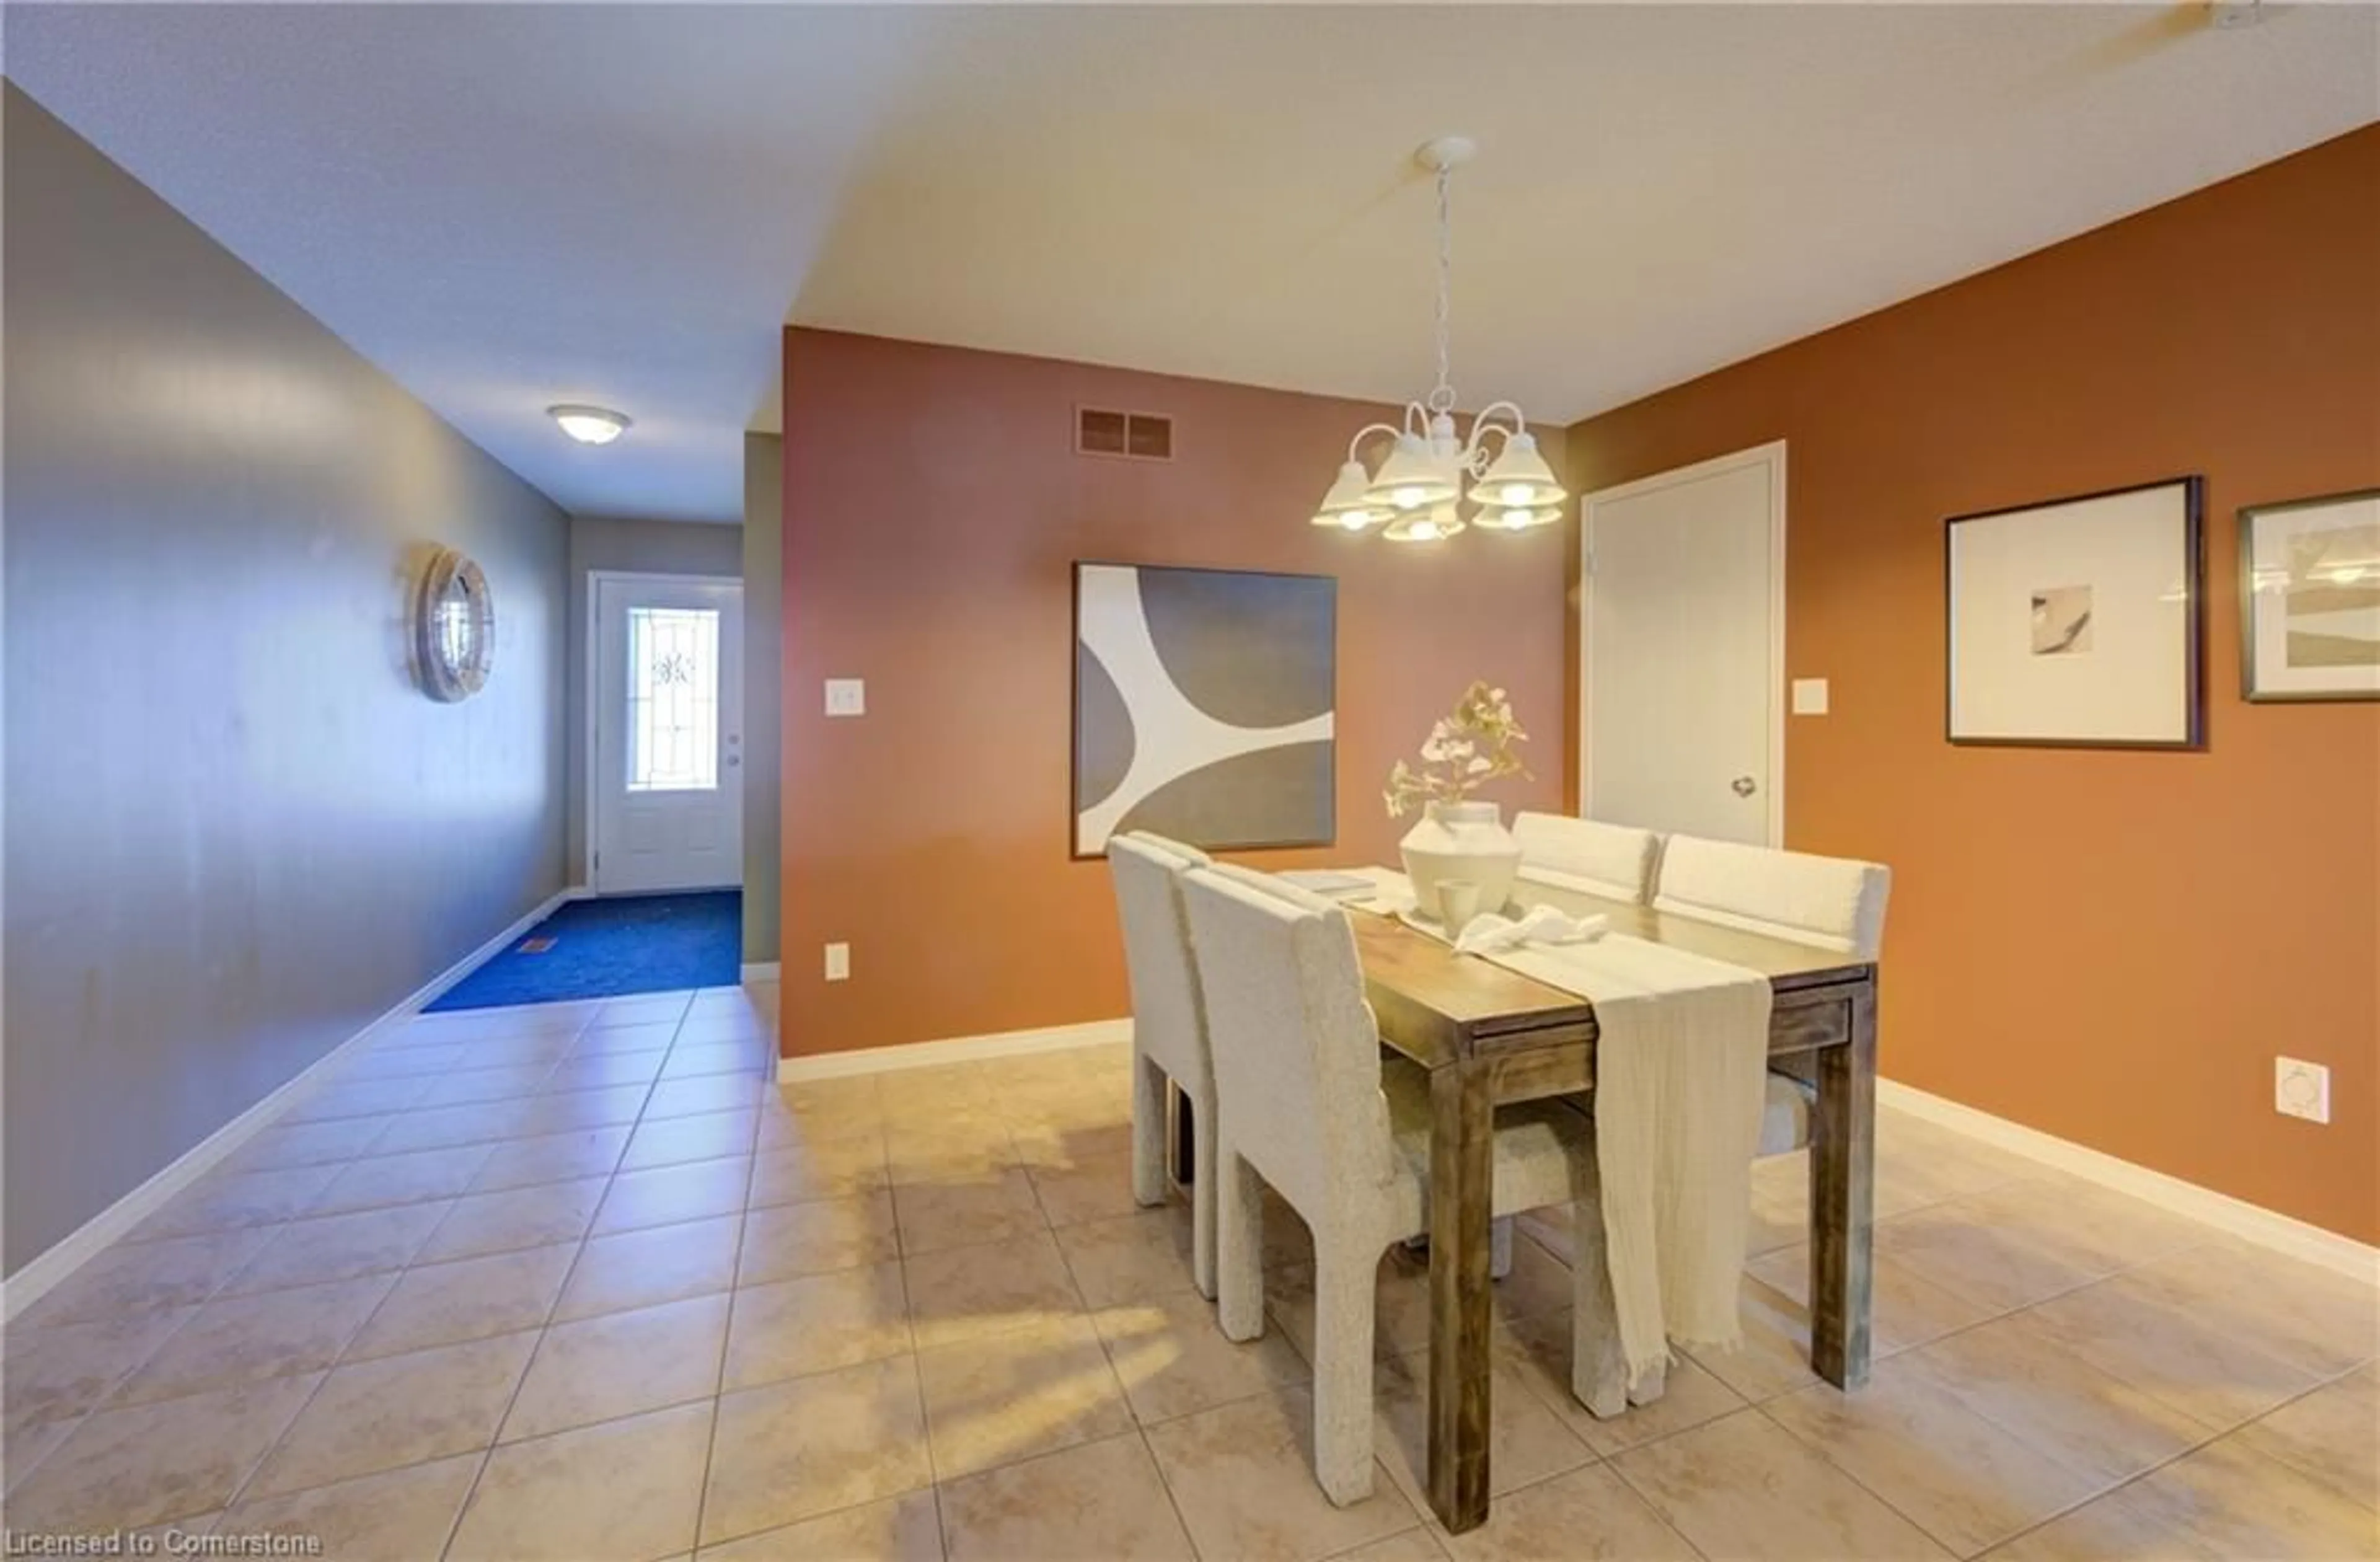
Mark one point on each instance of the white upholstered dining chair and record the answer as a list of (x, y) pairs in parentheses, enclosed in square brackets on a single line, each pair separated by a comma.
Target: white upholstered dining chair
[(1310, 1106), (1586, 855), (1169, 1028), (1832, 902)]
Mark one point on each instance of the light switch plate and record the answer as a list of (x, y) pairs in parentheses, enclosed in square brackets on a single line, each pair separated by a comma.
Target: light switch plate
[(2301, 1089), (847, 697), (838, 963), (1809, 697)]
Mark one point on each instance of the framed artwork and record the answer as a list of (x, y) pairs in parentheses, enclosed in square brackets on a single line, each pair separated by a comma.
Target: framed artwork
[(2080, 623), (1204, 701), (2310, 598)]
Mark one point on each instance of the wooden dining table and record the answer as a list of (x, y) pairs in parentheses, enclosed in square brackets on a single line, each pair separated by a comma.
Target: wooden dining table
[(1490, 1036)]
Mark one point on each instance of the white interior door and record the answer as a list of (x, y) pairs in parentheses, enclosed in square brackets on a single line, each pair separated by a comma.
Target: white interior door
[(1682, 648), (667, 795)]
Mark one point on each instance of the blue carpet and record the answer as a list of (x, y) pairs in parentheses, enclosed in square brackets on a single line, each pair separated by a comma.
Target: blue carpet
[(621, 944)]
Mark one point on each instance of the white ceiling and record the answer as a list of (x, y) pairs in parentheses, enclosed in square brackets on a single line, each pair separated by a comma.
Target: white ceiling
[(510, 206)]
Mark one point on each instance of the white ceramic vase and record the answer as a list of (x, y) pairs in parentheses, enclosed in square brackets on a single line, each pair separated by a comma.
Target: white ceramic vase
[(1465, 841)]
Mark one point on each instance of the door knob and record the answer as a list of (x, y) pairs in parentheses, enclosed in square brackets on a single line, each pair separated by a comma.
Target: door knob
[(1745, 786)]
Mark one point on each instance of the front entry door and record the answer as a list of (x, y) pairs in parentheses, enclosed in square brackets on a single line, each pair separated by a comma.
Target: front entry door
[(668, 792), (1683, 649)]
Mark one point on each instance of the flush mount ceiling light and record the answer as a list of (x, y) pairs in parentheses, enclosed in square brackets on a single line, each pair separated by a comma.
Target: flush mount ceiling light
[(590, 425), (1420, 490)]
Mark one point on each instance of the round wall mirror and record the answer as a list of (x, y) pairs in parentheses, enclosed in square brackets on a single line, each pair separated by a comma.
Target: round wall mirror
[(454, 627)]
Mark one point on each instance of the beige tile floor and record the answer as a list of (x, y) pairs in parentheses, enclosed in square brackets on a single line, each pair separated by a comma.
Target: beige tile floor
[(583, 1283)]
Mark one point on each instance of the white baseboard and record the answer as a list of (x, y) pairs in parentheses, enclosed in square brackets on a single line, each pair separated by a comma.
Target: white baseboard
[(70, 1253), (958, 1049), (762, 970), (2253, 1223)]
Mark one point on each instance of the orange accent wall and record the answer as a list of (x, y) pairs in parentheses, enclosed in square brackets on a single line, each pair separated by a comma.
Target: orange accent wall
[(934, 507), (2108, 947)]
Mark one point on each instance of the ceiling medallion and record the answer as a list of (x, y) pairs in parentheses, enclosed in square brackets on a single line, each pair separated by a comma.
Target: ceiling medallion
[(1423, 486)]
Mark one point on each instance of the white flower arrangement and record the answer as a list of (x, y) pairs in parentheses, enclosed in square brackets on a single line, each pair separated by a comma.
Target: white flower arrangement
[(1463, 752)]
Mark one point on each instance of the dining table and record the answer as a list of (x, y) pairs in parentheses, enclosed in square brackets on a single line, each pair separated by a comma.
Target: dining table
[(1490, 1036)]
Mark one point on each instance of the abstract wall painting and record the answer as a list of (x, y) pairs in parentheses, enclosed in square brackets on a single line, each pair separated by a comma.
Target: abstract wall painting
[(2310, 598), (2080, 623), (1204, 703)]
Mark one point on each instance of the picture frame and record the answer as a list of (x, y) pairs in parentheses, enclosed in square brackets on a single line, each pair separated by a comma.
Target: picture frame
[(2078, 622), (1203, 707), (2310, 599)]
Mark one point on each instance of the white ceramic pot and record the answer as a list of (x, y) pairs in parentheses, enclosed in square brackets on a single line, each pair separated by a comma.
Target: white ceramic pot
[(1464, 841)]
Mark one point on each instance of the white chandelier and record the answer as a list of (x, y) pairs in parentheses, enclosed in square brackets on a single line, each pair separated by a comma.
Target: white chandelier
[(1429, 475)]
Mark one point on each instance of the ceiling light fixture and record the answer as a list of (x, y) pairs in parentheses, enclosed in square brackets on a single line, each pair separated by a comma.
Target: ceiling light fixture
[(590, 425), (1417, 493)]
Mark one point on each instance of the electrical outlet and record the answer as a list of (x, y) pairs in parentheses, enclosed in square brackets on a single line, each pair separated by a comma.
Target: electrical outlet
[(838, 963), (2301, 1089), (847, 697)]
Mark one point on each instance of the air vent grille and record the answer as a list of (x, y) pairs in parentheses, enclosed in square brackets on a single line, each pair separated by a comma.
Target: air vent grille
[(1137, 436)]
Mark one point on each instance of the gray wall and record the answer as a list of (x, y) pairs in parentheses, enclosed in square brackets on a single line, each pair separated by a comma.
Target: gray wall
[(235, 833), (764, 710), (652, 547)]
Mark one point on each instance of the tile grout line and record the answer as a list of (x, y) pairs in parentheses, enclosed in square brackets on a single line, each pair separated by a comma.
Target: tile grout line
[(105, 1397), (2213, 1434), (540, 1330), (239, 1487), (109, 1400), (2133, 1479), (726, 1336), (487, 1457), (1762, 1403), (2177, 1457), (932, 1483), (1600, 1460), (1760, 1409), (2330, 1382), (276, 1225), (1647, 1498), (2059, 1295), (337, 1359), (1173, 1498)]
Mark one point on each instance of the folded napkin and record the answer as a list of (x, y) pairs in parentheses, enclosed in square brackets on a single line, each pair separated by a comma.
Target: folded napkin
[(1539, 924)]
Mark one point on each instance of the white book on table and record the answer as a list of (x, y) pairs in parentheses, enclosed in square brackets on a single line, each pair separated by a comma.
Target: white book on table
[(1330, 881)]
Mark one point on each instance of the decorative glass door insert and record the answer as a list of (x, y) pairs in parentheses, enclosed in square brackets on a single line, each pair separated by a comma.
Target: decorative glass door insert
[(673, 698)]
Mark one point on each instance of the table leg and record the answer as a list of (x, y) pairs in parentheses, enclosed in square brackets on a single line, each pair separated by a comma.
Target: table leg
[(1842, 1202), (1462, 1170)]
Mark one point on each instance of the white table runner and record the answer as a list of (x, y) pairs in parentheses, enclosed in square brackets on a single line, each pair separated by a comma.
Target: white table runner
[(1682, 1062)]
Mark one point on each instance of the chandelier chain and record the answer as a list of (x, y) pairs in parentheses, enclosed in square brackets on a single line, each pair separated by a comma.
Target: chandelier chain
[(1441, 397)]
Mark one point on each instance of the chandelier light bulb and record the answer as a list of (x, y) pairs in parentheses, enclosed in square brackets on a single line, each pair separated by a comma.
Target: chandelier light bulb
[(1431, 525), (1346, 505)]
